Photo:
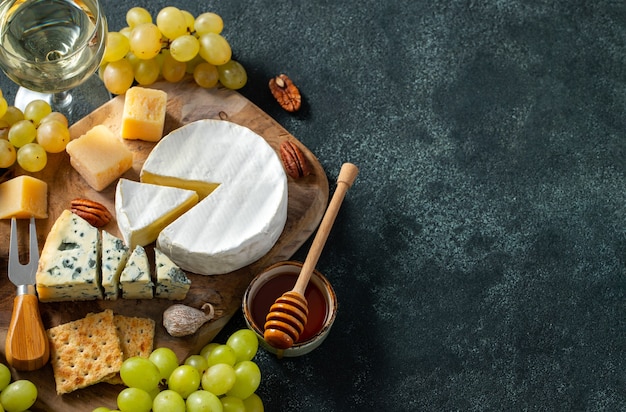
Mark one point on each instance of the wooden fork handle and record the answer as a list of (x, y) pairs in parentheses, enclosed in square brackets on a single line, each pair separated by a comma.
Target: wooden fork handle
[(27, 347)]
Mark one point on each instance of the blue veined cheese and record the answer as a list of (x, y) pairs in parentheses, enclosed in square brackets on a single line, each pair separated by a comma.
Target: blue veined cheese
[(243, 187), (143, 209), (135, 280), (69, 265), (171, 281), (114, 257)]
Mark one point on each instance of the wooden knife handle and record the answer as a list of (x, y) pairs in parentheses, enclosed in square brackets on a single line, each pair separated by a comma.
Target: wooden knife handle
[(27, 347)]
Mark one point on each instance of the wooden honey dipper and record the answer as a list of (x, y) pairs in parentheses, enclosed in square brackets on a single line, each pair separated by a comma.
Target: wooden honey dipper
[(287, 316)]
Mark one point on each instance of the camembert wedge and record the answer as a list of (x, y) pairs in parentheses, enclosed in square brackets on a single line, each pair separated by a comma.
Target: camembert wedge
[(69, 266), (143, 209), (245, 208)]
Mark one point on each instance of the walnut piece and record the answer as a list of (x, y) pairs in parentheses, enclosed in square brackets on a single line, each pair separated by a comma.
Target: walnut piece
[(294, 161), (285, 93), (93, 212)]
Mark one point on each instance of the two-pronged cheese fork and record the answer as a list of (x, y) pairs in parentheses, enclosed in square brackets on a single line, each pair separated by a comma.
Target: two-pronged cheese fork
[(27, 343)]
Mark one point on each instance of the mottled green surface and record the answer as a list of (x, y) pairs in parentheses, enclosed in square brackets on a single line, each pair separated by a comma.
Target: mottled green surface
[(479, 258)]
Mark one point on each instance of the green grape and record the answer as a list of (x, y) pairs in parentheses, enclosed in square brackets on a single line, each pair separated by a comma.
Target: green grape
[(53, 136), (22, 132), (232, 404), (191, 64), (166, 361), (134, 400), (117, 47), (5, 372), (185, 48), (37, 110), (184, 380), (172, 70), (208, 348), (138, 372), (18, 396), (56, 116), (208, 23), (3, 106), (13, 115), (137, 15), (206, 75), (203, 401), (214, 49), (197, 361), (101, 409), (168, 401), (172, 22), (219, 379), (248, 379), (254, 403), (147, 71), (145, 40), (32, 157), (245, 344), (232, 75), (189, 21), (7, 159), (126, 31), (118, 76), (222, 354)]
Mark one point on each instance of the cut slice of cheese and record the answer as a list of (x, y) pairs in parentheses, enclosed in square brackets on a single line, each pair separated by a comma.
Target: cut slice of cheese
[(23, 197), (114, 256), (144, 209), (135, 280), (144, 114), (69, 266), (242, 218), (171, 282), (99, 157)]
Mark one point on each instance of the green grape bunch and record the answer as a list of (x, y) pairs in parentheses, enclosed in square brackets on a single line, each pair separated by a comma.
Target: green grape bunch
[(27, 137), (169, 47), (222, 377)]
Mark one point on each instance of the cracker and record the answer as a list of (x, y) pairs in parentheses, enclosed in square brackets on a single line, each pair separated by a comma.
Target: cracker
[(136, 337), (85, 351)]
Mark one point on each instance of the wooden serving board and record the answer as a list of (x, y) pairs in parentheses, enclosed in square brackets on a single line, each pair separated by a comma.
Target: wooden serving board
[(308, 199)]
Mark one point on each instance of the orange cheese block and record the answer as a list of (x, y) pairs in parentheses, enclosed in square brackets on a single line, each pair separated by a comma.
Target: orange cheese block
[(23, 197), (144, 114), (99, 156)]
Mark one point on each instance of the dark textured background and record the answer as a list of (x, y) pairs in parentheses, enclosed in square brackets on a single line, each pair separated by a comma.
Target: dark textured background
[(479, 258)]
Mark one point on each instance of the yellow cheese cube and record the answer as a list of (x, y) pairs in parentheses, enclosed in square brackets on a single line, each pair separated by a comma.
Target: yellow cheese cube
[(99, 156), (144, 114), (23, 197)]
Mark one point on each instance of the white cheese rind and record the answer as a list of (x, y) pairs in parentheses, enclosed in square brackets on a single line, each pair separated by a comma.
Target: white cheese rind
[(69, 265), (238, 222), (114, 257), (171, 281), (143, 210), (135, 280)]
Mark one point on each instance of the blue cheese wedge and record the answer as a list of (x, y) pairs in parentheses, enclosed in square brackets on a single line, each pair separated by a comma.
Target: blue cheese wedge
[(69, 266), (114, 257), (135, 280), (171, 281)]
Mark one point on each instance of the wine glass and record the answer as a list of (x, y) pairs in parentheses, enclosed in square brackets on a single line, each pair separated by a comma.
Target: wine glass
[(52, 48)]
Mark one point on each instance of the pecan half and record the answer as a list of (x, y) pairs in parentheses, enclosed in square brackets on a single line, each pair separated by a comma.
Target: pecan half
[(93, 212), (294, 161), (286, 93)]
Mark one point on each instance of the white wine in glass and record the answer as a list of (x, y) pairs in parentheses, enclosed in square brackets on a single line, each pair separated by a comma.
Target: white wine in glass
[(52, 48)]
